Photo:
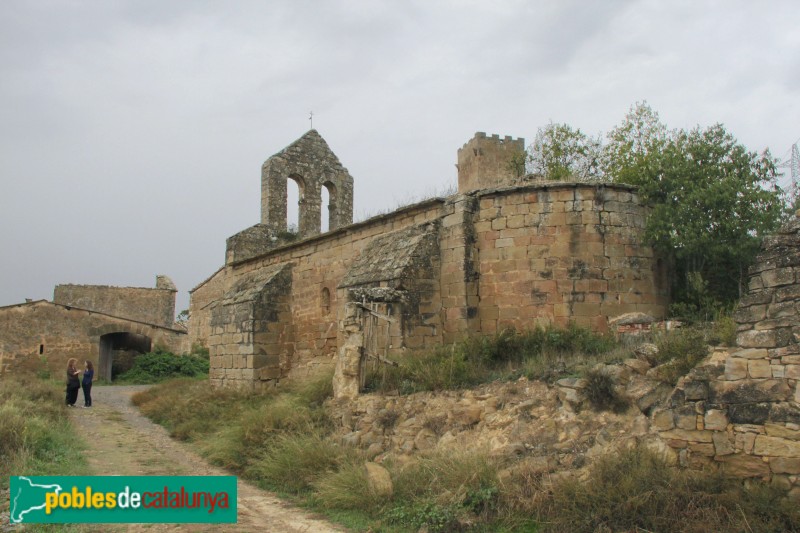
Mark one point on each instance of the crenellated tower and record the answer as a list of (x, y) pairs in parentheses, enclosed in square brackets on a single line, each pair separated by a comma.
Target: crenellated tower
[(489, 162)]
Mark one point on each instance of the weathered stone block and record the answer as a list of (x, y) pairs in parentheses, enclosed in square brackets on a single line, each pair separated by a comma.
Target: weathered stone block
[(785, 465), (696, 390), (751, 353), (735, 369), (723, 443), (379, 480), (782, 310), (688, 435), (777, 277), (744, 466), (744, 442), (663, 420), (785, 412), (792, 371), (749, 413), (757, 339), (686, 421), (749, 315), (791, 292), (716, 420), (701, 448), (759, 368), (749, 391), (776, 447), (755, 298), (776, 430)]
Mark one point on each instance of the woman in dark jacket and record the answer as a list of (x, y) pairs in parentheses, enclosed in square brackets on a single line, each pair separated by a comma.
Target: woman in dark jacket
[(88, 375), (73, 383)]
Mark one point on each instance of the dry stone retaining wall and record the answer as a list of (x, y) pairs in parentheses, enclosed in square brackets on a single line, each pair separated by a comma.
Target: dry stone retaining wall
[(742, 410)]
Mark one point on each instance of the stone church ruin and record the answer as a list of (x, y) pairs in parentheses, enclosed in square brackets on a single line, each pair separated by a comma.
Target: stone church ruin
[(504, 251)]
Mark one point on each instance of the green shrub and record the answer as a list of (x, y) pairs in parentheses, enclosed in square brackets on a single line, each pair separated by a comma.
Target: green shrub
[(159, 365), (424, 515), (315, 390), (723, 330), (190, 408)]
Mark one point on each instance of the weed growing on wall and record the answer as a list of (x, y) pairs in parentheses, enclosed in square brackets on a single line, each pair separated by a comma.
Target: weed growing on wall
[(541, 353), (680, 351)]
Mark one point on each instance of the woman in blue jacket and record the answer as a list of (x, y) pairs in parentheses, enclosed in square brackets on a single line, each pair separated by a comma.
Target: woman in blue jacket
[(88, 376)]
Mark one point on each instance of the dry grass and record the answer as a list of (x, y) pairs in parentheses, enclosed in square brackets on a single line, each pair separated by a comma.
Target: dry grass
[(36, 437), (637, 491), (541, 353), (281, 441)]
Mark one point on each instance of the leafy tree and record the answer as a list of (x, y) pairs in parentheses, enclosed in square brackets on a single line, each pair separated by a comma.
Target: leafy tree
[(560, 153), (633, 148), (712, 201)]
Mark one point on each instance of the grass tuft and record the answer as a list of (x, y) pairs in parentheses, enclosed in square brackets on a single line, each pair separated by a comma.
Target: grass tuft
[(294, 463), (347, 488), (601, 393), (680, 351)]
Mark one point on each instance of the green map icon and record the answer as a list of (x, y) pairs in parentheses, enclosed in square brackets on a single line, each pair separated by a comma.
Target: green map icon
[(28, 499)]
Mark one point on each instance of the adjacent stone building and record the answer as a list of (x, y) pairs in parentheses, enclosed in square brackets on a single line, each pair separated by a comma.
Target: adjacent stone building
[(505, 251), (99, 323)]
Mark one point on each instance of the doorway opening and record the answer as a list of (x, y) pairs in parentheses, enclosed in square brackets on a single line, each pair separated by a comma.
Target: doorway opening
[(118, 351)]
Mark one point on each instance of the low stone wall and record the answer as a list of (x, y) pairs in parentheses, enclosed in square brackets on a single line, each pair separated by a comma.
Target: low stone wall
[(741, 410)]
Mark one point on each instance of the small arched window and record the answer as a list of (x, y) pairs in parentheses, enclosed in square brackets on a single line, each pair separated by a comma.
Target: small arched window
[(325, 301)]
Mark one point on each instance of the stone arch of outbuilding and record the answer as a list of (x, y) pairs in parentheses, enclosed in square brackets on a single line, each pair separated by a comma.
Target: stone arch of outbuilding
[(122, 341)]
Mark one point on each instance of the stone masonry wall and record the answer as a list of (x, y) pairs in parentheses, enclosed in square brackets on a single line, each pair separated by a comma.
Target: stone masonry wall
[(42, 335), (154, 306), (319, 263), (250, 344), (561, 252), (519, 256), (741, 410), (201, 299)]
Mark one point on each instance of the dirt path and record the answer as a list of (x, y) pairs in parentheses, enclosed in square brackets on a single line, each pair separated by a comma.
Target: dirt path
[(123, 442)]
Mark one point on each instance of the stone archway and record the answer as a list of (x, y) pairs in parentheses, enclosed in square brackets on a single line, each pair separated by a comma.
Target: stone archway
[(121, 347)]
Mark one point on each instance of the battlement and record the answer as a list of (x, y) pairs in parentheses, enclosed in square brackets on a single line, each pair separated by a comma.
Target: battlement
[(494, 138), (488, 161)]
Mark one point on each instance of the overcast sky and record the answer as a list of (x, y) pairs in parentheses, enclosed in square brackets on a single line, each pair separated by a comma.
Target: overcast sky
[(132, 132)]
